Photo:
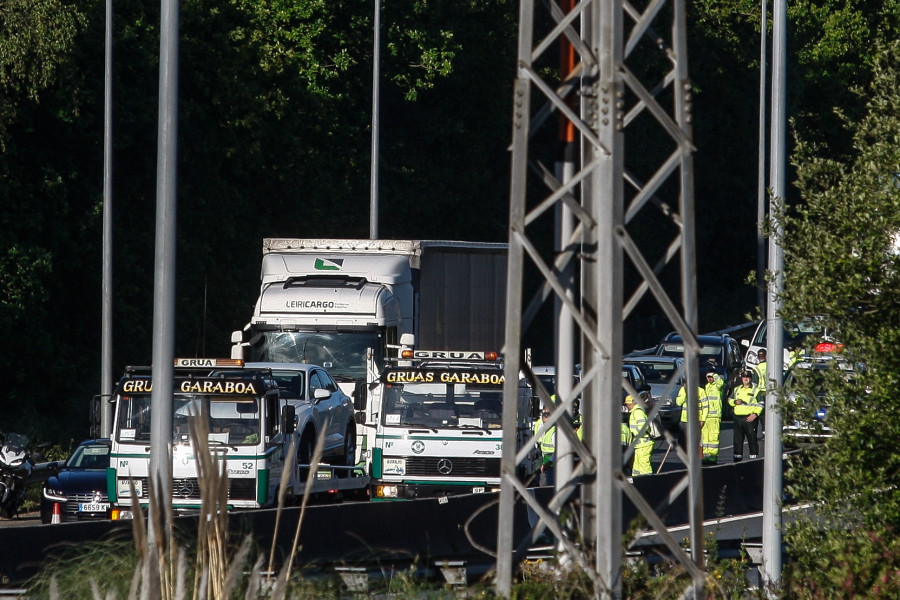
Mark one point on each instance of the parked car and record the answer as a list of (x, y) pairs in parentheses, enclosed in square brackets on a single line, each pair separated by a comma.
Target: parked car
[(78, 484), (665, 376), (806, 400), (806, 334), (722, 353), (321, 409)]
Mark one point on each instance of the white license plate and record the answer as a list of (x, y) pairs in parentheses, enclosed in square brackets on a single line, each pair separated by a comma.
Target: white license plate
[(93, 507), (477, 490)]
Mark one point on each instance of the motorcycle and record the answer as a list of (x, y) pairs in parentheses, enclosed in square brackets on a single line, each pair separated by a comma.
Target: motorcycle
[(16, 466)]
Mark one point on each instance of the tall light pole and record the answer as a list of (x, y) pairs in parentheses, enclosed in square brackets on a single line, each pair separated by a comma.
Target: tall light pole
[(772, 474), (106, 375), (376, 78)]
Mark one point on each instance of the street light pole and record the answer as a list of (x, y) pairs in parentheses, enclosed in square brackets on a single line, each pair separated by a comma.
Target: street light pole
[(376, 78)]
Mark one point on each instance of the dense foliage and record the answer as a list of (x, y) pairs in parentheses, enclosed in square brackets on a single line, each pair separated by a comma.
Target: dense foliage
[(274, 140), (843, 260)]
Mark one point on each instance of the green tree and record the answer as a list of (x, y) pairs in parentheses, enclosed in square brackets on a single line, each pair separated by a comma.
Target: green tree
[(842, 260)]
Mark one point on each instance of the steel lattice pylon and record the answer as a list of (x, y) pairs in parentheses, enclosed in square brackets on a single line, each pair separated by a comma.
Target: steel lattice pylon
[(625, 100)]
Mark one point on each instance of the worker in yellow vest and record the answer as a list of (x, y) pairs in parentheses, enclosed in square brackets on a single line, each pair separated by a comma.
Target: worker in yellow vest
[(681, 400), (640, 432), (709, 434), (546, 443), (747, 409)]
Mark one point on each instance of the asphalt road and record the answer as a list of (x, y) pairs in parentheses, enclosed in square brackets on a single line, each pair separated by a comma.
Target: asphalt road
[(663, 462)]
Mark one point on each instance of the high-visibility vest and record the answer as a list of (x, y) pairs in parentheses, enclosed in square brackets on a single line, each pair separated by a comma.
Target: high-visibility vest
[(547, 442), (749, 397), (713, 391), (681, 400), (637, 421)]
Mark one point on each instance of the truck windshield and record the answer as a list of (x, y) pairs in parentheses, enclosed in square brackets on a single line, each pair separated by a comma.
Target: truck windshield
[(342, 353), (230, 421), (441, 405)]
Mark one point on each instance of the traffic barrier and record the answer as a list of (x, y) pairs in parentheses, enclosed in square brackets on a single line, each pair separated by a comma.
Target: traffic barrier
[(57, 515)]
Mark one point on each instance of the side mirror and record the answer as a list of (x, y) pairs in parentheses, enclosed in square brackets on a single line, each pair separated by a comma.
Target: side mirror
[(745, 343), (535, 407), (321, 394), (288, 419), (360, 396)]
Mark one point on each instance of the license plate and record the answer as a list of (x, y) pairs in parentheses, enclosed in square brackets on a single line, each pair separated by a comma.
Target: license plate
[(477, 490), (93, 507)]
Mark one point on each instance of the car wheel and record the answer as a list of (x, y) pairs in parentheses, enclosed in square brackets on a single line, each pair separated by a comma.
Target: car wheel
[(305, 454), (348, 457)]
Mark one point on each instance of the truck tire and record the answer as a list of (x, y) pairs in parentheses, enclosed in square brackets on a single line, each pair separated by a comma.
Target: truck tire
[(348, 456)]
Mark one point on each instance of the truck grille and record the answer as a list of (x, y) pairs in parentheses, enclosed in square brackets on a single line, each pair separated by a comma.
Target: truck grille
[(189, 489), (436, 466)]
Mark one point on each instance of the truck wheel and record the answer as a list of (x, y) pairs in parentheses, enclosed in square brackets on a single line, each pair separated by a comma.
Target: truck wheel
[(348, 458)]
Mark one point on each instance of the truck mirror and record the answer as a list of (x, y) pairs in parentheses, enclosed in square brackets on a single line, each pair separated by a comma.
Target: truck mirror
[(535, 407), (288, 419), (95, 417), (237, 337), (360, 396), (407, 339)]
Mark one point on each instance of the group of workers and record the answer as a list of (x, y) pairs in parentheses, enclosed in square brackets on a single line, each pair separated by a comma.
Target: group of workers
[(747, 401)]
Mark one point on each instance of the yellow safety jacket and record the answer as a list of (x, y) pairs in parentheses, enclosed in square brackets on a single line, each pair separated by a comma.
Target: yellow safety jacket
[(547, 442), (637, 420), (681, 400), (749, 397), (713, 392)]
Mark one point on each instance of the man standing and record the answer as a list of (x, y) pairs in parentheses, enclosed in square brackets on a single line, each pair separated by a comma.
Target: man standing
[(546, 443), (712, 424), (681, 400), (747, 408), (643, 446), (760, 372)]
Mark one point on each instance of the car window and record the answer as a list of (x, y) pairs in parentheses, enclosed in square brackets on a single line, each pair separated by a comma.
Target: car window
[(328, 382), (315, 383), (89, 457)]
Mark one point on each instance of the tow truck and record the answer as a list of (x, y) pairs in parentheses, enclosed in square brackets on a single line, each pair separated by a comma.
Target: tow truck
[(251, 429), (440, 427)]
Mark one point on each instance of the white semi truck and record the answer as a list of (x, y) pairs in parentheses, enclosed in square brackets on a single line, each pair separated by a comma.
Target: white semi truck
[(335, 302)]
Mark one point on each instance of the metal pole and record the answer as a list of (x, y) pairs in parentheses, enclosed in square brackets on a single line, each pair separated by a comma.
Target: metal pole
[(106, 321), (164, 267), (604, 290), (564, 323), (689, 292), (772, 486), (376, 92), (513, 338), (761, 167)]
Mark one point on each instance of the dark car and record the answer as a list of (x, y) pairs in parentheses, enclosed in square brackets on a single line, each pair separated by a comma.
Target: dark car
[(79, 485), (722, 353), (665, 376), (806, 401)]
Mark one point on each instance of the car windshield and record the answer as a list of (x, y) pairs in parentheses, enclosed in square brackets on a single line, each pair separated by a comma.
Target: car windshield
[(442, 405), (229, 421), (93, 457), (656, 372), (706, 352), (793, 332)]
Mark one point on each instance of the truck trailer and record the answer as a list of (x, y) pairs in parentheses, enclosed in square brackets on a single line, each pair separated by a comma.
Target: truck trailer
[(335, 302)]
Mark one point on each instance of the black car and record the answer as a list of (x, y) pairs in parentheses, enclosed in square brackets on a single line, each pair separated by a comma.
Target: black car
[(722, 353), (79, 485)]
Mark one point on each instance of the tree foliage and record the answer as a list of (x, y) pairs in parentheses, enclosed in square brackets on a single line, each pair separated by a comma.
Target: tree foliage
[(842, 260)]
